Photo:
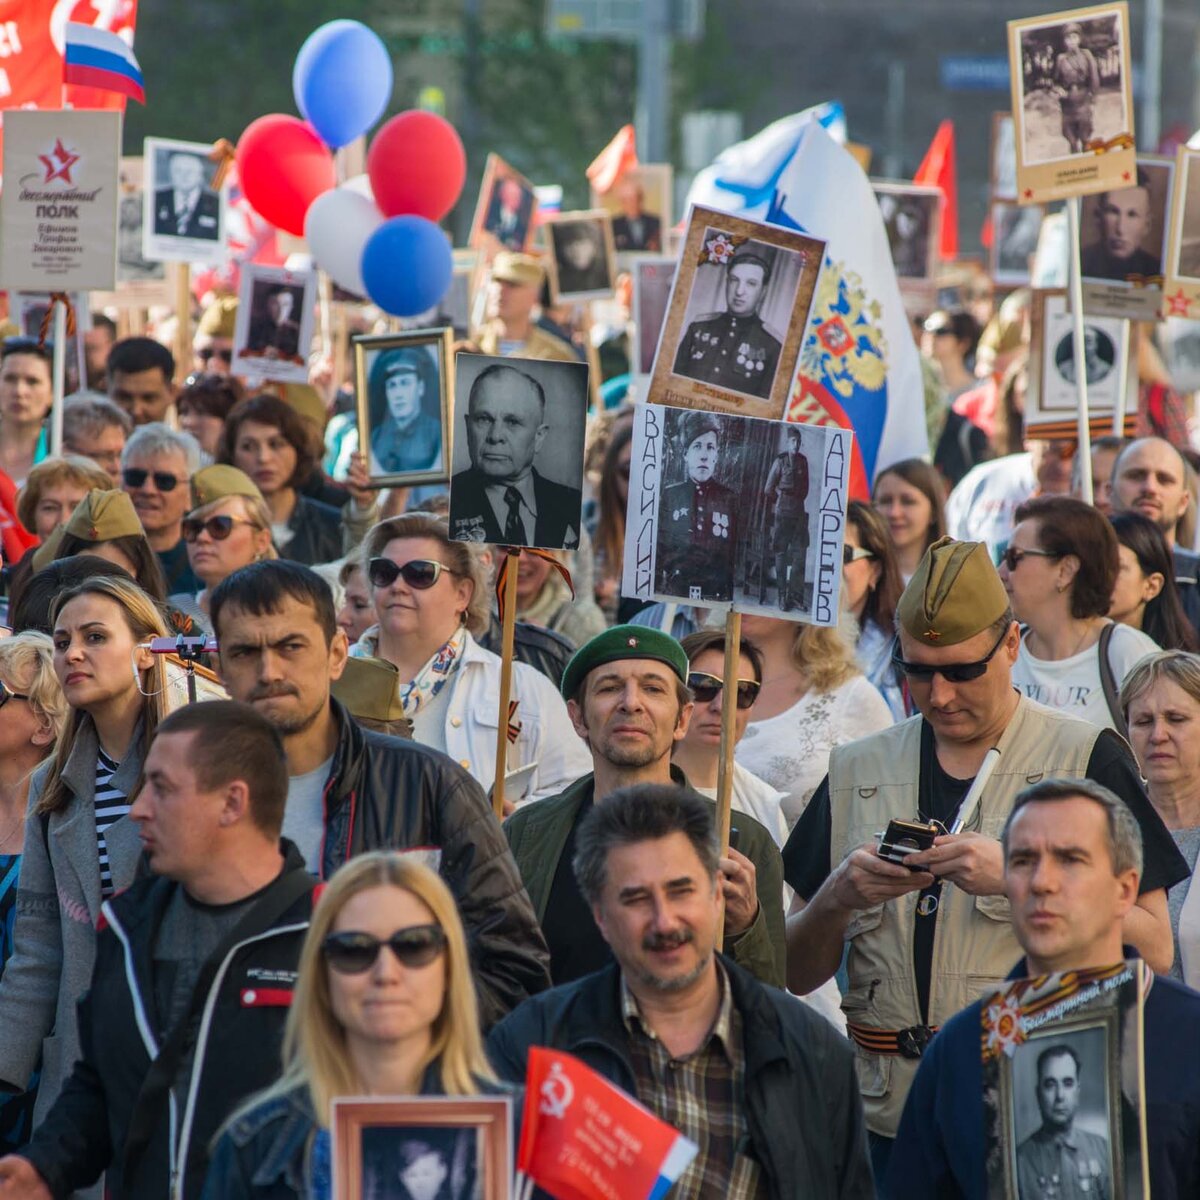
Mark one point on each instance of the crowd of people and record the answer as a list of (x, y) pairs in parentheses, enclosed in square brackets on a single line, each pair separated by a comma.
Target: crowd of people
[(216, 918)]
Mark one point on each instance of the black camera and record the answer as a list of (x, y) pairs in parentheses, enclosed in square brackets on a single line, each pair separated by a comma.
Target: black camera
[(902, 838)]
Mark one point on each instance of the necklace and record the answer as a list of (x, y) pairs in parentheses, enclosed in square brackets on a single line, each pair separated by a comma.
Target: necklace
[(12, 828)]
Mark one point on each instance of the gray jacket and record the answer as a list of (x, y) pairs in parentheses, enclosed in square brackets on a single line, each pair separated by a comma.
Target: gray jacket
[(58, 904)]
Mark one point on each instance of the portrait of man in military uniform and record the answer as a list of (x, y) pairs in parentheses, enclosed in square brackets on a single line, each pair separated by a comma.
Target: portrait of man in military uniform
[(787, 493), (1061, 1160), (1123, 228), (735, 348), (697, 518)]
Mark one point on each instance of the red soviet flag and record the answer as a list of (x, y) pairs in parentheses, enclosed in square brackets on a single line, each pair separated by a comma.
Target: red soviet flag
[(938, 168), (585, 1139)]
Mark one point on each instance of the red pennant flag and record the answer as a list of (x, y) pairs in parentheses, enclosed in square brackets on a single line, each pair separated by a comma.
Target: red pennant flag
[(619, 156), (585, 1139), (938, 168)]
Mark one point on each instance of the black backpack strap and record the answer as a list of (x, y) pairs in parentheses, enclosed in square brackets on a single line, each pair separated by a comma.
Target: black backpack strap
[(1108, 681)]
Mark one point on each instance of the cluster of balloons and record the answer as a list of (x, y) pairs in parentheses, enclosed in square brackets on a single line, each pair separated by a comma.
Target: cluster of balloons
[(375, 235)]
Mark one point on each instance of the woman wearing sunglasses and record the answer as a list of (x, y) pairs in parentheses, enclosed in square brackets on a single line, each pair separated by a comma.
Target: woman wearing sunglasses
[(1060, 569), (813, 697), (384, 1005), (430, 600), (32, 715), (80, 845), (229, 528)]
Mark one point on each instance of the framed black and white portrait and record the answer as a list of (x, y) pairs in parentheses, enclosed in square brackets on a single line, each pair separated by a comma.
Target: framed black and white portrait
[(403, 385), (274, 326), (1003, 157), (1015, 230), (640, 205), (426, 1148), (1181, 297), (652, 279), (582, 260), (517, 473), (140, 281), (505, 211), (912, 216), (184, 214)]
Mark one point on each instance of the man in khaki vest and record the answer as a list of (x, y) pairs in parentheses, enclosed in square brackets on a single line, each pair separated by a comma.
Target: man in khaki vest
[(512, 330), (925, 942)]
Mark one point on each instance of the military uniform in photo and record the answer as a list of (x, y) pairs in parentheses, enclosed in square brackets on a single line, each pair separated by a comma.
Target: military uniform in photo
[(195, 216), (643, 232), (539, 512), (787, 491), (1078, 79), (1064, 1165)]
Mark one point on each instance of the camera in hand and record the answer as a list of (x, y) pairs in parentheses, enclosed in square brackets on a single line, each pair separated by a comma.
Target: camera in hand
[(902, 838)]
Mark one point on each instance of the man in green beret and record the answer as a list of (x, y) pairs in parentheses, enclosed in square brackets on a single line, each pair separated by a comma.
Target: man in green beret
[(957, 645), (627, 695)]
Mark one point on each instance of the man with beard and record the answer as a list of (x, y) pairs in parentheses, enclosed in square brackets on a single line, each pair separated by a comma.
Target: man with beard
[(733, 1065), (626, 692)]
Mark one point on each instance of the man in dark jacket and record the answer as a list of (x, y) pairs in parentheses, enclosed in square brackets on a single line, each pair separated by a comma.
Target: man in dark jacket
[(352, 790), (733, 1065), (194, 970)]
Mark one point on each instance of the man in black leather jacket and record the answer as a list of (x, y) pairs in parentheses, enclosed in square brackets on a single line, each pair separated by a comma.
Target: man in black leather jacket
[(353, 790)]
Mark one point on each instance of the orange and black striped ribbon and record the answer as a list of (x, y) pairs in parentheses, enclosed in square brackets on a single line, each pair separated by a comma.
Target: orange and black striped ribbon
[(224, 155), (511, 554)]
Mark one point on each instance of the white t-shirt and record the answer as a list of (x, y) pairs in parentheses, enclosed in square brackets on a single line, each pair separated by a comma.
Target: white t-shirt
[(304, 816), (1072, 685), (981, 507)]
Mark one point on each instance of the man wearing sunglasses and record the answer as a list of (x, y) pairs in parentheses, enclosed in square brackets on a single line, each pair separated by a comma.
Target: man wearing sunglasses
[(194, 971), (141, 375), (957, 645)]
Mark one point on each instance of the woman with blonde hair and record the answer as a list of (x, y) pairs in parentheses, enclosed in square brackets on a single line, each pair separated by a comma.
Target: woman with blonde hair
[(80, 845), (54, 488), (814, 697), (431, 601), (32, 715), (384, 1005)]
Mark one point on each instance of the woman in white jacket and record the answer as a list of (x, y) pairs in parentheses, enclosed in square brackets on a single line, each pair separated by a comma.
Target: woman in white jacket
[(430, 596)]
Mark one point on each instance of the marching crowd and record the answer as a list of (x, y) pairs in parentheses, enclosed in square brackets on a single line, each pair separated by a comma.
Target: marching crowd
[(217, 918)]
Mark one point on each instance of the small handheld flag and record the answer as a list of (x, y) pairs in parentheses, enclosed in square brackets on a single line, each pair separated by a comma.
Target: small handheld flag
[(96, 58)]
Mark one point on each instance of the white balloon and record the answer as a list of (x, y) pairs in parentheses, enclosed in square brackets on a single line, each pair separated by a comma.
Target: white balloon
[(360, 184), (337, 227)]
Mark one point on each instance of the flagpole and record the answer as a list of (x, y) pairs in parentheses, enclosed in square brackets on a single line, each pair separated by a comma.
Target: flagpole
[(733, 641), (58, 375), (1083, 426)]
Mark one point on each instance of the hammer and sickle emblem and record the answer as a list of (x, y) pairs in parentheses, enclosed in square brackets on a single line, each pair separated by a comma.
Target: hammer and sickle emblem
[(557, 1093)]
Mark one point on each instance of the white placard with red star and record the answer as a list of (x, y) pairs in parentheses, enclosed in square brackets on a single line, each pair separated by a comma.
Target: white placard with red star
[(58, 207), (1181, 293)]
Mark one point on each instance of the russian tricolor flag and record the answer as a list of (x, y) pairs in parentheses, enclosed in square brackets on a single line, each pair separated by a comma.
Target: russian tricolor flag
[(96, 58)]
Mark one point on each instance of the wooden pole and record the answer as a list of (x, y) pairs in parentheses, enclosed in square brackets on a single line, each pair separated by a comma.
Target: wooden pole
[(58, 376), (1083, 427), (506, 663), (733, 641), (183, 321)]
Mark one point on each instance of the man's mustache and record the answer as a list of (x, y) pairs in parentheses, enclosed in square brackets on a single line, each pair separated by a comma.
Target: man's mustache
[(667, 941), (273, 690)]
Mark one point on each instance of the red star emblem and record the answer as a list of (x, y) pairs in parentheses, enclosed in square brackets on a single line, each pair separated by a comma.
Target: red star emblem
[(1029, 193), (933, 635), (64, 159), (1125, 176), (1179, 304)]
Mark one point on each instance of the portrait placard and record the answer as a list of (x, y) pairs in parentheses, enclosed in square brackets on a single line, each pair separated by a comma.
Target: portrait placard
[(1015, 230), (739, 307), (1123, 235), (640, 204), (140, 282), (1062, 1086), (30, 312), (582, 262), (1072, 100), (736, 512), (184, 217), (505, 211), (652, 280), (1051, 401), (426, 1148), (912, 216), (274, 327), (1179, 341), (403, 385), (1181, 294), (1003, 157), (58, 209), (518, 451)]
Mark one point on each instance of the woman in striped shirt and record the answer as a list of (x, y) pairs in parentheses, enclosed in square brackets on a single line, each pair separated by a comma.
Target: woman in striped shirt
[(80, 845)]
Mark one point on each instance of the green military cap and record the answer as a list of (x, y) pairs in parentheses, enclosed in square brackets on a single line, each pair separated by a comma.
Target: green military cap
[(218, 481), (521, 269), (219, 318), (370, 687), (623, 641), (103, 517), (954, 594), (306, 400)]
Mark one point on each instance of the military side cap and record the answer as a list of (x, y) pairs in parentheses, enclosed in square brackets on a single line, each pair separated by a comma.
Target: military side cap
[(623, 641), (695, 424), (46, 553), (754, 252), (218, 481), (219, 318), (370, 687), (104, 516), (954, 594), (306, 400), (521, 269)]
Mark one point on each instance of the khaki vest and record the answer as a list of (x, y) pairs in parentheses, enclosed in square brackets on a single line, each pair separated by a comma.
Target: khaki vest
[(870, 782)]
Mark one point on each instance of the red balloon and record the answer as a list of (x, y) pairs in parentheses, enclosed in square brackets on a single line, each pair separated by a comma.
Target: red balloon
[(417, 166), (283, 166)]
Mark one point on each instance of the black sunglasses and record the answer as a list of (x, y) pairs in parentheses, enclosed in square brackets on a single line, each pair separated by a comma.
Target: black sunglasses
[(855, 554), (1011, 557), (6, 695), (218, 528), (952, 673), (226, 356), (419, 573), (352, 952), (705, 688), (164, 481)]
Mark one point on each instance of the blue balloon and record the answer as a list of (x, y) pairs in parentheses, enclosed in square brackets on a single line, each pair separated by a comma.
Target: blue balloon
[(407, 266), (342, 80)]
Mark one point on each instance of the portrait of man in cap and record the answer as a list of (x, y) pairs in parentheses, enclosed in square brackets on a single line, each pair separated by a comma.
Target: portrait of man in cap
[(404, 408), (735, 348), (502, 497), (581, 246)]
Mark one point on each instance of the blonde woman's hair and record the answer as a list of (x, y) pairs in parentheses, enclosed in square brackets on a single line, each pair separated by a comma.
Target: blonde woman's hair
[(1175, 666), (824, 656), (254, 509), (53, 472), (144, 622), (29, 656), (461, 557), (314, 1043)]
